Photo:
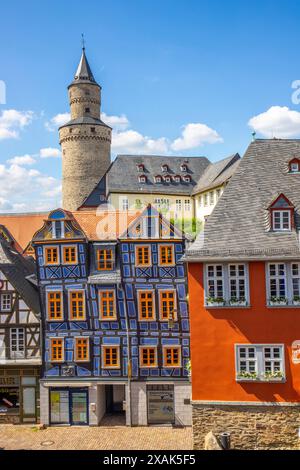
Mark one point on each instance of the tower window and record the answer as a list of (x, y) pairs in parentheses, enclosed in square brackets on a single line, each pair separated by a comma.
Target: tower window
[(93, 130), (87, 110)]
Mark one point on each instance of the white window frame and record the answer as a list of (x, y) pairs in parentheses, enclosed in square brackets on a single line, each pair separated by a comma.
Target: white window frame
[(211, 198), (158, 179), (178, 205), (225, 278), (260, 363), (294, 167), (19, 352), (205, 199), (4, 307), (62, 228), (288, 300), (125, 204), (281, 213), (187, 205)]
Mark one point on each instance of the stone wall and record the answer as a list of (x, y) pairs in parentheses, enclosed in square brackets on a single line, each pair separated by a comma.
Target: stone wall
[(252, 427)]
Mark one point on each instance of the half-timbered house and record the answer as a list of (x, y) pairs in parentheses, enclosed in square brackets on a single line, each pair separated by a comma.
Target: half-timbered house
[(20, 357), (106, 348)]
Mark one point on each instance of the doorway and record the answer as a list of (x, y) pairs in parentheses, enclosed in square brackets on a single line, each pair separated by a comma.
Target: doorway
[(69, 406)]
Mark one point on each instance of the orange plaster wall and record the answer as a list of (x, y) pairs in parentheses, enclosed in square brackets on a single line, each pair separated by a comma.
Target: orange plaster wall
[(215, 331)]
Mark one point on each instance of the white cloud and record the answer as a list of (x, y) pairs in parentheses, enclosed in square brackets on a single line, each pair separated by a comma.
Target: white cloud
[(277, 121), (27, 189), (195, 135), (50, 152), (116, 122), (57, 121), (12, 121), (22, 160), (133, 142)]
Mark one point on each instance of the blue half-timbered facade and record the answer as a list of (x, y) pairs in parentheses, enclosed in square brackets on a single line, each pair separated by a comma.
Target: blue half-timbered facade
[(115, 321)]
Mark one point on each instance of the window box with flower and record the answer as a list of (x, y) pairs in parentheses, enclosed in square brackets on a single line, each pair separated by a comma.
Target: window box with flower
[(215, 301), (278, 301), (237, 301)]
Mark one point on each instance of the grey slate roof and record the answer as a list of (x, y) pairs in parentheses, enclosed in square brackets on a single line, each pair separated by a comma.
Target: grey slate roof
[(84, 73), (85, 120), (217, 173), (122, 176), (108, 277), (239, 226), (17, 268)]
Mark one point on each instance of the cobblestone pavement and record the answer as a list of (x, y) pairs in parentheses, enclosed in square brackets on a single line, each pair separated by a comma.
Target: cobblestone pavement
[(15, 437)]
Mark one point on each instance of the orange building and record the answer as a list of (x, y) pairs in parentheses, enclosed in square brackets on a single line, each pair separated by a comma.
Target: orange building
[(244, 294)]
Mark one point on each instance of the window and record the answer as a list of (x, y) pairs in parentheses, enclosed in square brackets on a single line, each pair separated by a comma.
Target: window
[(77, 306), (6, 302), (277, 282), (148, 357), (178, 205), (211, 198), (57, 349), (166, 255), (237, 282), (260, 362), (142, 255), (146, 305), (157, 179), (281, 220), (218, 193), (172, 356), (51, 255), (82, 352), (187, 178), (200, 201), (138, 204), (17, 343), (183, 167), (140, 167), (55, 306), (294, 167), (58, 229), (167, 179), (125, 204), (87, 110), (107, 305), (70, 254), (177, 179), (142, 179), (226, 284), (104, 259), (162, 203), (93, 130), (283, 284), (165, 168), (187, 205), (205, 199), (111, 357), (167, 304)]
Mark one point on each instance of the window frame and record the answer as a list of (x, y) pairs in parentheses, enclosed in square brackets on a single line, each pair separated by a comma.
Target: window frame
[(106, 260), (226, 300), (45, 250), (71, 316), (61, 318), (100, 303), (87, 340), (260, 360), (61, 340), (18, 353), (289, 299), (147, 291), (160, 248), (143, 265), (10, 295), (70, 247), (103, 349), (281, 213), (160, 300), (172, 347), (147, 347)]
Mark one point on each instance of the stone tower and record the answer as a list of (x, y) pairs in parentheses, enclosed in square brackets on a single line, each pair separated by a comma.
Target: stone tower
[(85, 140)]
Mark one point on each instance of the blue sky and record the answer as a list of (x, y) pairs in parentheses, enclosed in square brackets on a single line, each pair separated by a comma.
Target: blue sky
[(164, 65)]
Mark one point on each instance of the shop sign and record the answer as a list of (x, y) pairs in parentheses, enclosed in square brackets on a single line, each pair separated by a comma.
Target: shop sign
[(9, 381)]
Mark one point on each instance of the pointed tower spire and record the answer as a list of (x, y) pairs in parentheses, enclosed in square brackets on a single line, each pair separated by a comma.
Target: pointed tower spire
[(84, 73)]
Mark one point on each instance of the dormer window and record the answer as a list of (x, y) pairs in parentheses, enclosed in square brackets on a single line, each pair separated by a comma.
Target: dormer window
[(140, 167), (187, 178), (157, 179), (177, 178), (165, 168), (183, 167), (294, 166), (281, 220), (167, 179), (142, 178), (281, 214)]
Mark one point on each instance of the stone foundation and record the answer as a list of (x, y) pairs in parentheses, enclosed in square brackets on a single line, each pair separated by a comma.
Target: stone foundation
[(252, 427)]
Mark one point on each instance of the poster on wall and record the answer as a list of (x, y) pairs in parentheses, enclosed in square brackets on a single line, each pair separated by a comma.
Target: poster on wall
[(296, 352)]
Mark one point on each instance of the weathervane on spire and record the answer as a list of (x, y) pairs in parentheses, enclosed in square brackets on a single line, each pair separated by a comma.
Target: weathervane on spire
[(82, 40)]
